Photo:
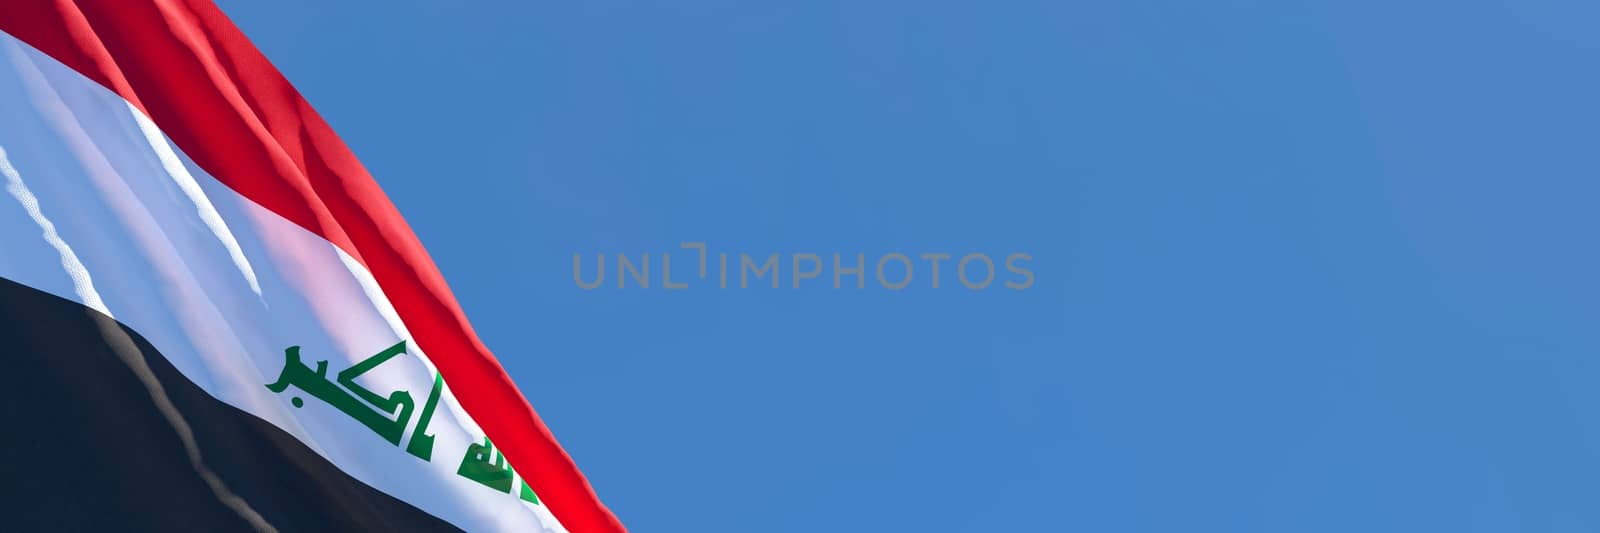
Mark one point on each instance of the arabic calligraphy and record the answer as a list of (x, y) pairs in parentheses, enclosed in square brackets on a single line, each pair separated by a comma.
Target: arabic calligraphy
[(315, 383), (389, 416), (477, 466), (421, 444)]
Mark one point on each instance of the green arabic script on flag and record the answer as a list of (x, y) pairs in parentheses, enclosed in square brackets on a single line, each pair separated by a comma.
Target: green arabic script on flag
[(480, 463)]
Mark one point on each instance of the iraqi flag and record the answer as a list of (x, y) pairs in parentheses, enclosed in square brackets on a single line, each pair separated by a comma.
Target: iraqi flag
[(212, 318)]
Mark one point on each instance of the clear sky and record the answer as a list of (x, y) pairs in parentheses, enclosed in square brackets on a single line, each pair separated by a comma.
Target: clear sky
[(1300, 266)]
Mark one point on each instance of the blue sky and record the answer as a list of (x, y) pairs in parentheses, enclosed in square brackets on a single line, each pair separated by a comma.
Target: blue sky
[(1301, 266)]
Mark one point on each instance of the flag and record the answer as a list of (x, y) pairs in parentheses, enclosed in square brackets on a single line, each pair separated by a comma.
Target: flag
[(212, 317)]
